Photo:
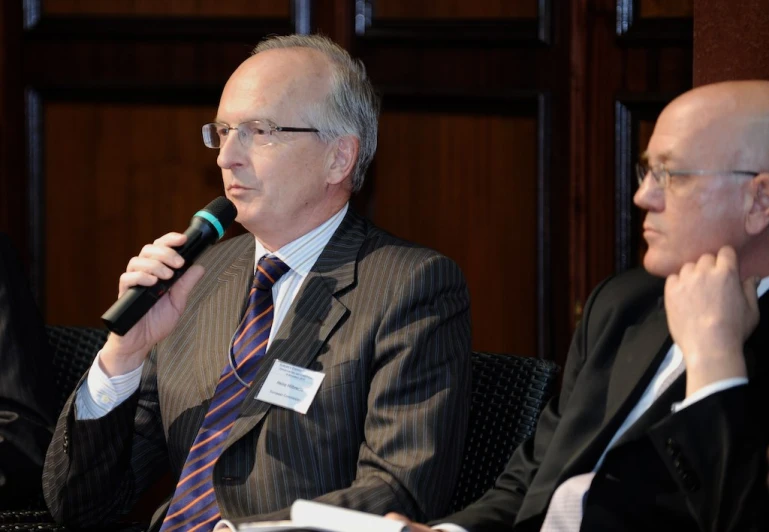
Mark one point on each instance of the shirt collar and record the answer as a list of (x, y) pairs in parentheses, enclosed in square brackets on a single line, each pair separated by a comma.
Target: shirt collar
[(301, 254), (763, 286)]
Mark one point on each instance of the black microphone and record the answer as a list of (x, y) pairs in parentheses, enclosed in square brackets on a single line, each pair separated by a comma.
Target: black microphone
[(207, 226)]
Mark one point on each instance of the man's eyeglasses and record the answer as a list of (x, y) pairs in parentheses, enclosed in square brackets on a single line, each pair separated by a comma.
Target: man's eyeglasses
[(662, 175), (252, 133)]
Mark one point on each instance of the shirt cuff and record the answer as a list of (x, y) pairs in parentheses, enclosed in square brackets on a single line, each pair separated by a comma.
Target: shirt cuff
[(101, 394), (709, 390), (448, 527)]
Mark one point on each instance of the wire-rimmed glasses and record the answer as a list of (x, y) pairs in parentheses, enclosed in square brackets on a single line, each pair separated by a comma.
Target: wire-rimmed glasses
[(661, 175), (251, 133)]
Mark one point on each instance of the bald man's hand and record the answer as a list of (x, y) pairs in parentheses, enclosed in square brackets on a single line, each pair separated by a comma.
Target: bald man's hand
[(710, 314), (413, 527)]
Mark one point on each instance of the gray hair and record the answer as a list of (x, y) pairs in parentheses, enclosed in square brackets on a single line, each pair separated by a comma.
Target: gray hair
[(351, 106)]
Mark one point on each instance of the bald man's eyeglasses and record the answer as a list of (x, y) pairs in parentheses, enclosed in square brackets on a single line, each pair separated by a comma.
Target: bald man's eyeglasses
[(661, 175), (251, 133)]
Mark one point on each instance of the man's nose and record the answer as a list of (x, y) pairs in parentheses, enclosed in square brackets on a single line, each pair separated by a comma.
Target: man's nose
[(230, 152), (649, 196)]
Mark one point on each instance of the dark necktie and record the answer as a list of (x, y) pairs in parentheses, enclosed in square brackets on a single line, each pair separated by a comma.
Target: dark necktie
[(194, 507)]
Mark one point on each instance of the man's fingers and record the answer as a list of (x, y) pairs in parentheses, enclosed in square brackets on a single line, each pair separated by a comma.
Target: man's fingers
[(171, 239), (706, 261), (164, 254), (727, 258), (412, 527), (151, 266), (181, 289), (129, 279), (398, 517)]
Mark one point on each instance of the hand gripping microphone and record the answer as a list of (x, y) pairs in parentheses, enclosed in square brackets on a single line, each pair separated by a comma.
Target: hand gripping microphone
[(207, 226)]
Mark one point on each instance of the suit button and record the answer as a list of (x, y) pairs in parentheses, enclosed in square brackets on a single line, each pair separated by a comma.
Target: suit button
[(672, 447)]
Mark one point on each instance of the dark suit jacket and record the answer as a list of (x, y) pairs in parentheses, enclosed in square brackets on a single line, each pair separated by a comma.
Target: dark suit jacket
[(388, 324), (27, 401), (703, 468)]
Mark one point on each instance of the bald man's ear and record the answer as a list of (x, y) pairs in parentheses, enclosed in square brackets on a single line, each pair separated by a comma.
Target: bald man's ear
[(342, 158), (758, 215)]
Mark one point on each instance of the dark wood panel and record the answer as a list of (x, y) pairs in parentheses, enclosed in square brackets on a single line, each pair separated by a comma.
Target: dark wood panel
[(196, 8), (150, 20), (646, 22), (732, 40), (608, 67), (144, 67), (116, 176), (469, 185), (666, 8), (454, 9), (456, 21), (635, 118)]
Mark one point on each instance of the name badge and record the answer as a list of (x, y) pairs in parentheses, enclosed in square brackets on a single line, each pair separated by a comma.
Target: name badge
[(290, 386)]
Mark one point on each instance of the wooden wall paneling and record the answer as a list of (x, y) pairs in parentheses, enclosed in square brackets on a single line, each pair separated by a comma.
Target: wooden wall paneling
[(468, 177), (196, 8), (613, 62), (655, 20), (666, 8), (731, 40), (93, 55), (454, 9), (116, 176), (139, 21), (479, 70), (521, 22), (634, 122), (335, 18), (112, 58)]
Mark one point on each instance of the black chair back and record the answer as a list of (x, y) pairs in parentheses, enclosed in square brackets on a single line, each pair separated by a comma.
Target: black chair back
[(74, 349), (508, 394)]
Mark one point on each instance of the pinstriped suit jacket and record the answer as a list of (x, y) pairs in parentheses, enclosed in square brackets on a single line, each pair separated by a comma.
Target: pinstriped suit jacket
[(388, 324)]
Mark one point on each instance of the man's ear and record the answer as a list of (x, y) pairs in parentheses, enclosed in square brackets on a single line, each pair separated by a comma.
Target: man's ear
[(758, 215), (342, 158)]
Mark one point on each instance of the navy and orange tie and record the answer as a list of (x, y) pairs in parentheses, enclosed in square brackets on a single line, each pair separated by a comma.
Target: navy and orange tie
[(194, 507)]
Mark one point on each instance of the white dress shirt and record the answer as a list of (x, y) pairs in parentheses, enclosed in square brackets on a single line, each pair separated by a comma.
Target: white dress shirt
[(101, 394), (673, 359)]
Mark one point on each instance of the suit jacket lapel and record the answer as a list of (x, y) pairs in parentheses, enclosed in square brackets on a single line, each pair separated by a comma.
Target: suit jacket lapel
[(638, 357), (216, 322), (312, 317)]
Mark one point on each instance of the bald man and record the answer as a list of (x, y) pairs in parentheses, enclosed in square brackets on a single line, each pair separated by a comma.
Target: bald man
[(661, 421), (317, 357)]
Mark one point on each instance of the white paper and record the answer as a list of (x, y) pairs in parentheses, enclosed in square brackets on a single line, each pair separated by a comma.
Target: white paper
[(320, 517), (308, 514), (290, 386)]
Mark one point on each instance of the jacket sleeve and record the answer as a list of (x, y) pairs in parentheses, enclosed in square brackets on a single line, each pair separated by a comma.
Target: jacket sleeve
[(96, 469), (715, 451)]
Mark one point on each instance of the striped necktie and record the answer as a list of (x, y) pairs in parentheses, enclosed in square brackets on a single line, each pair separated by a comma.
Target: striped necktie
[(194, 507)]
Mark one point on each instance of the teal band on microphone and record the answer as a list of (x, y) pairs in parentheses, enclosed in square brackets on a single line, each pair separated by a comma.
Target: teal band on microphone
[(211, 218)]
